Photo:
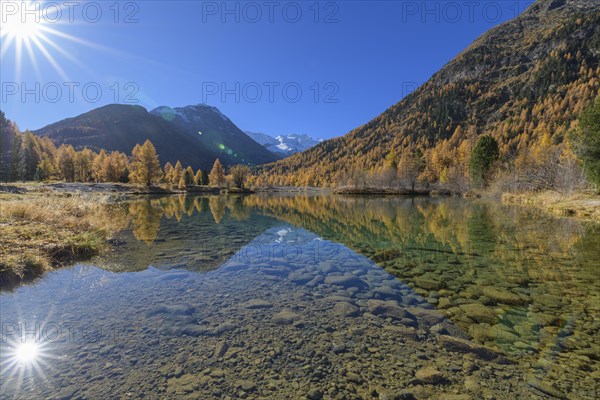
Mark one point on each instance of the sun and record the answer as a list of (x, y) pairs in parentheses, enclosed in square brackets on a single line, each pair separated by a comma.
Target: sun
[(27, 352), (35, 34), (21, 360), (21, 29)]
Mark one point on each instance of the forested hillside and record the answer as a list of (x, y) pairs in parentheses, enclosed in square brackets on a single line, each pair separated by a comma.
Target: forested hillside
[(523, 83)]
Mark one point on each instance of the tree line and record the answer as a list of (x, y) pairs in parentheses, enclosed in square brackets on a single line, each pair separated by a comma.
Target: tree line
[(565, 161), (27, 157), (464, 161)]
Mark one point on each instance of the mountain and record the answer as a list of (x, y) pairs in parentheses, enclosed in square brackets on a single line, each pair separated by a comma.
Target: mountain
[(216, 132), (284, 145), (522, 82), (174, 132)]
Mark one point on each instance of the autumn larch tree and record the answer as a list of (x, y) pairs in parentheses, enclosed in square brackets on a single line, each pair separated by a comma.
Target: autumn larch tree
[(45, 170), (31, 155), (116, 167), (176, 174), (144, 167), (83, 165), (98, 166), (191, 174), (185, 180), (239, 175), (65, 163), (217, 175), (168, 171), (198, 178)]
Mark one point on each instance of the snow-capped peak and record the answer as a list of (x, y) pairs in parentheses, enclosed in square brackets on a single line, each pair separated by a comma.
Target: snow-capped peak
[(284, 144)]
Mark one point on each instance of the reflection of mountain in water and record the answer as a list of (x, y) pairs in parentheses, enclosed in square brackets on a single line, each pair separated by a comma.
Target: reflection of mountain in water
[(194, 233)]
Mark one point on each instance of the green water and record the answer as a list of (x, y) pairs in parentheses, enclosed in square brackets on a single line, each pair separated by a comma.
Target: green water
[(292, 296)]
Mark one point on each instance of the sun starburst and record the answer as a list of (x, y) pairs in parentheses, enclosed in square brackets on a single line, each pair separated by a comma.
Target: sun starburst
[(22, 360), (31, 31)]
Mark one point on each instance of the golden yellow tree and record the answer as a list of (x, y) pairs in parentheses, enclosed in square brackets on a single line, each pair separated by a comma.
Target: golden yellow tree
[(116, 167), (217, 175), (175, 175), (198, 178), (145, 166), (98, 166)]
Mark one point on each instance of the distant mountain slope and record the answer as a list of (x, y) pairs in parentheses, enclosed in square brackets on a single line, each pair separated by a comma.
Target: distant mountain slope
[(518, 82), (284, 145), (121, 127), (216, 132)]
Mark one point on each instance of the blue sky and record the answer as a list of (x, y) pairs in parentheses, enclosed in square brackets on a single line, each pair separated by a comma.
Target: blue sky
[(320, 68)]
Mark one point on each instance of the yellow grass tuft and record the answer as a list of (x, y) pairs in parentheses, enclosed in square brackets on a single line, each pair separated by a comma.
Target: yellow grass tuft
[(581, 205), (43, 231)]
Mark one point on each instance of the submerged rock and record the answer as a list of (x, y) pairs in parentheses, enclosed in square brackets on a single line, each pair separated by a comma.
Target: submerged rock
[(300, 278), (545, 387), (429, 375), (337, 298), (346, 281), (257, 303), (345, 309), (66, 393), (503, 296), (247, 386), (428, 283), (429, 317), (478, 313), (285, 317), (464, 346), (224, 327), (175, 309), (387, 292), (220, 350), (185, 384), (388, 309), (547, 301)]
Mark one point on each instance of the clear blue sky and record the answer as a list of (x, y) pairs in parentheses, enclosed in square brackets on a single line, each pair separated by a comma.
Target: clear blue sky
[(363, 56)]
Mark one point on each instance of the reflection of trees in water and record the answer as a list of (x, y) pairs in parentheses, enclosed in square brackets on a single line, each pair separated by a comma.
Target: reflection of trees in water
[(510, 238), (145, 218), (217, 207), (468, 246), (201, 204), (238, 210), (145, 214), (183, 232)]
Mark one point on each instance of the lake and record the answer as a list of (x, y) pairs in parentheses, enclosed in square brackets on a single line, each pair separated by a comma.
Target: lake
[(315, 296)]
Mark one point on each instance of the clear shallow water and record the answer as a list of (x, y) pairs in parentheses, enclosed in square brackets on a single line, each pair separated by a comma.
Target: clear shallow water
[(286, 296)]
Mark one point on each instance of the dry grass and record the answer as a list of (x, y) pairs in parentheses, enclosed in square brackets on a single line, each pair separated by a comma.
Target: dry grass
[(584, 206), (40, 232)]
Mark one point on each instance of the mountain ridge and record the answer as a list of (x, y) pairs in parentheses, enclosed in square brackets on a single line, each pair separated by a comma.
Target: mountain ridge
[(117, 127), (502, 84)]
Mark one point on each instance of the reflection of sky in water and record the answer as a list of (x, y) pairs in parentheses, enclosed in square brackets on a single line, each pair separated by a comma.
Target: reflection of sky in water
[(294, 310), (85, 310)]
